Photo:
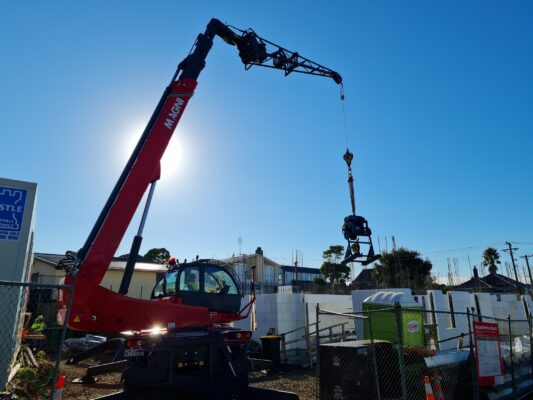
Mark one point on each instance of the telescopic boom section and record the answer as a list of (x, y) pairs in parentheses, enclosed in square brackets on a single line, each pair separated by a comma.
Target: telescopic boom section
[(142, 168)]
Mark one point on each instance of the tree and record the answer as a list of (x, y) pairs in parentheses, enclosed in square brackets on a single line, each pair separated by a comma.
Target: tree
[(403, 267), (490, 259), (331, 269), (319, 281), (158, 255)]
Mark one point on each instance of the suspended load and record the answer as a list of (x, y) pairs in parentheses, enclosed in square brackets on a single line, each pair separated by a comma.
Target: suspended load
[(355, 228)]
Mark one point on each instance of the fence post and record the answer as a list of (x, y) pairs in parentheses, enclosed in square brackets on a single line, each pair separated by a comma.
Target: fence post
[(284, 347), (63, 333), (376, 376), (530, 342), (475, 388), (317, 350), (511, 354), (308, 346), (399, 333)]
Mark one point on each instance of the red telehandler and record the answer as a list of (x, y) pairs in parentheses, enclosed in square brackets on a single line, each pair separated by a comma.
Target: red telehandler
[(180, 343)]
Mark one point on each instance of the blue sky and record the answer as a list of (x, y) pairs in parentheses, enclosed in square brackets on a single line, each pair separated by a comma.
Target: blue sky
[(439, 100)]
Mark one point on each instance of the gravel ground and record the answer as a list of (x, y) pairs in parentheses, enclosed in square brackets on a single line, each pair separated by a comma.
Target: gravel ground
[(299, 381), (302, 382), (106, 384)]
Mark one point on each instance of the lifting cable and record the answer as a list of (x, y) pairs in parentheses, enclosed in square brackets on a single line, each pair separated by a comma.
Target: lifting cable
[(348, 156)]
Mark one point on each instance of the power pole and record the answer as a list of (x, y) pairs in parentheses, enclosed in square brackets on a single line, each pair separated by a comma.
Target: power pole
[(528, 269), (510, 250)]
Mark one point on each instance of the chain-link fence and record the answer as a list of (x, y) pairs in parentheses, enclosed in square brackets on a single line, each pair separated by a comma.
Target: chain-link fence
[(401, 353), (30, 339)]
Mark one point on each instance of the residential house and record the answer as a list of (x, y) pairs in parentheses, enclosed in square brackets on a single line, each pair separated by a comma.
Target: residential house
[(293, 275), (145, 276), (268, 273)]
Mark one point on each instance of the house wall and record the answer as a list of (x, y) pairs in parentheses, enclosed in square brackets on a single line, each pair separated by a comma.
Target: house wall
[(267, 272), (47, 273), (142, 283)]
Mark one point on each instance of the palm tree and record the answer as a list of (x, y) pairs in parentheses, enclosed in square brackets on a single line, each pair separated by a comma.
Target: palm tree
[(490, 259)]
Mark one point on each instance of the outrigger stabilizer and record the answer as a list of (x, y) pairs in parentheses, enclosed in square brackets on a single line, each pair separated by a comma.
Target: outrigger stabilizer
[(355, 228)]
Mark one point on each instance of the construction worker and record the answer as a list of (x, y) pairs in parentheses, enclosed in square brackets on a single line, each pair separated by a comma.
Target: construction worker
[(192, 282), (37, 328)]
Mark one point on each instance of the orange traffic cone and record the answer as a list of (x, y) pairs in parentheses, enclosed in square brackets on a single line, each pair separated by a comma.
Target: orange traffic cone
[(439, 394), (60, 385), (429, 391)]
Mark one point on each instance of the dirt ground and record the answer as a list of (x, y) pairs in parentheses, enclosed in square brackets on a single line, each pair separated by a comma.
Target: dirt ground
[(300, 381)]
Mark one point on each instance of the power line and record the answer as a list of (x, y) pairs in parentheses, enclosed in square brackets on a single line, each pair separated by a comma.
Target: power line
[(510, 250)]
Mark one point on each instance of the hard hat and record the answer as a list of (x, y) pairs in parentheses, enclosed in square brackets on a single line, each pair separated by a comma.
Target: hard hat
[(171, 260)]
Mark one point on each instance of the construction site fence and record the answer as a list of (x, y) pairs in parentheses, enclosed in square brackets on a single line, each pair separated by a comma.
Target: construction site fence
[(401, 353), (31, 340)]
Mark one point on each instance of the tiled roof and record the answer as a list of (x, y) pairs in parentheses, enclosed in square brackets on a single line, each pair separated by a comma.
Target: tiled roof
[(492, 281)]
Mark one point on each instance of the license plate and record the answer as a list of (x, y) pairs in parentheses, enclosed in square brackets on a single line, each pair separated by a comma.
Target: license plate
[(133, 353)]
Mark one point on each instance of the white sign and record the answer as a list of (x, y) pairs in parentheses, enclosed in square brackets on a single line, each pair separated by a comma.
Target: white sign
[(413, 326)]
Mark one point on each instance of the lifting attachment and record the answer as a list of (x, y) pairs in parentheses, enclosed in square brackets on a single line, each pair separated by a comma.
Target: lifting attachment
[(355, 228)]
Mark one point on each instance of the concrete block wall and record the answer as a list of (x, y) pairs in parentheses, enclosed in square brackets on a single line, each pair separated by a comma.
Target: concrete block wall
[(281, 311), (505, 305), (288, 311), (446, 329), (329, 302), (485, 304)]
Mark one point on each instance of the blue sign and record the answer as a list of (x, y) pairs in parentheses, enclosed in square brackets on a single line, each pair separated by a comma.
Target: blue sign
[(12, 204)]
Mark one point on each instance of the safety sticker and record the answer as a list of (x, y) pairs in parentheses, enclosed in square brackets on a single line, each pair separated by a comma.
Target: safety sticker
[(12, 204)]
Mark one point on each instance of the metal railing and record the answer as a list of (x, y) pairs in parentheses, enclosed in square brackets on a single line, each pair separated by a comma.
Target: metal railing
[(308, 338)]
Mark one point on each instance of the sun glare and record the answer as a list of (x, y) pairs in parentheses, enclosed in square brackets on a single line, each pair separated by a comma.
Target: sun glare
[(172, 161)]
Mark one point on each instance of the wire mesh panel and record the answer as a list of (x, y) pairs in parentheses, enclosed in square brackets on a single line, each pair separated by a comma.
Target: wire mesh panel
[(515, 355), (390, 353), (30, 338)]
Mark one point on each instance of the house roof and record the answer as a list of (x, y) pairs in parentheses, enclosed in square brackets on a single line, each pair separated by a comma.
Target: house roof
[(492, 281), (365, 276), (48, 258)]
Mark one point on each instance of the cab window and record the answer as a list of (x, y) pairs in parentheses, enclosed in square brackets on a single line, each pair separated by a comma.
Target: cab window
[(217, 281), (166, 286), (190, 279)]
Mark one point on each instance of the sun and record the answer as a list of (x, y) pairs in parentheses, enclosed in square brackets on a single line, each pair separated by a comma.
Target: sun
[(172, 163)]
